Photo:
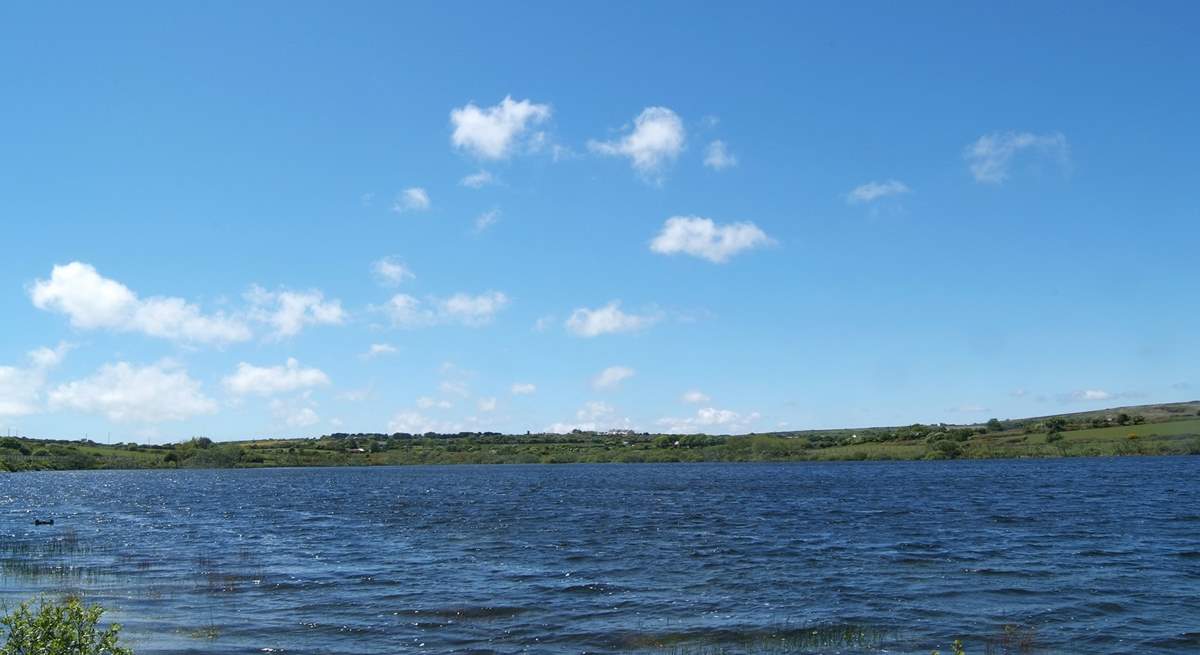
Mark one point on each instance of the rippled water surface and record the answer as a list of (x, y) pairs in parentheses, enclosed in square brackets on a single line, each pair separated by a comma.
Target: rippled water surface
[(1088, 556)]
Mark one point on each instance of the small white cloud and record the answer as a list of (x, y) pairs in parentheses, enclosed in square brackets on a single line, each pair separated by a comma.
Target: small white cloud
[(872, 191), (523, 389), (593, 416), (288, 312), (486, 220), (477, 180), (718, 157), (425, 402), (543, 323), (612, 376), (1088, 395), (412, 199), (416, 423), (391, 271), (124, 393), (487, 404), (268, 380), (694, 397), (295, 413), (991, 156), (455, 387), (701, 237), (495, 132), (656, 140), (473, 310), (460, 309), (379, 350), (356, 395), (710, 420), (608, 319), (92, 301)]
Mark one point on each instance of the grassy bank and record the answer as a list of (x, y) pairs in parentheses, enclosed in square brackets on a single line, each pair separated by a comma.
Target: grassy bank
[(1172, 429)]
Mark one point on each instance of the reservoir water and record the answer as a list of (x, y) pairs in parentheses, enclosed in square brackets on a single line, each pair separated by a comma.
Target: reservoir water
[(1080, 555)]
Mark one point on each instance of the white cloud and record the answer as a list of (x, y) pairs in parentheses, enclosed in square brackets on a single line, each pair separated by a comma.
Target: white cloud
[(710, 420), (990, 157), (655, 141), (92, 301), (462, 309), (379, 350), (1092, 395), (523, 389), (268, 380), (477, 180), (718, 157), (425, 402), (21, 387), (608, 319), (357, 395), (455, 387), (487, 404), (701, 237), (124, 393), (295, 413), (612, 376), (486, 220), (694, 397), (391, 271), (472, 310), (494, 132), (875, 190), (595, 415), (417, 423), (406, 311), (412, 199), (289, 311)]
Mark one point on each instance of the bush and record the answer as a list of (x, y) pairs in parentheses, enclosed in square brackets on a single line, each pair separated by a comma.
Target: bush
[(65, 628)]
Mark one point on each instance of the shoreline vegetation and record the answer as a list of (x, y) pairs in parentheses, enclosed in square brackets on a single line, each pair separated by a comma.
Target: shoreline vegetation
[(1162, 429)]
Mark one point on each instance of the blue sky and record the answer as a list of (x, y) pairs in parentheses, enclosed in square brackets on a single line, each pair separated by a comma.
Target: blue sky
[(243, 219)]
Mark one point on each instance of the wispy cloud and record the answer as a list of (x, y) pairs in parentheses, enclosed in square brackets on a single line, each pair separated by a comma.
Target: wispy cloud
[(477, 180), (872, 191), (718, 157), (991, 156), (612, 376), (391, 271), (412, 199), (609, 319), (486, 220)]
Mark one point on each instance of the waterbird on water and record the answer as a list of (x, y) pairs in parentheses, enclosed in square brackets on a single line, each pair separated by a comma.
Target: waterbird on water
[(43, 521)]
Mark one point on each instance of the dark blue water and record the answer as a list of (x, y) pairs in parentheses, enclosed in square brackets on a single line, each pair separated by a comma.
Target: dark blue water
[(1087, 555)]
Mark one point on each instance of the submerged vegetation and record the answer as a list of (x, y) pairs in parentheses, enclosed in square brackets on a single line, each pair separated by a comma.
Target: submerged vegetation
[(1171, 429)]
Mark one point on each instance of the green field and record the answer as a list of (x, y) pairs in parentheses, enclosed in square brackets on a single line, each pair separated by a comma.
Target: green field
[(1145, 430)]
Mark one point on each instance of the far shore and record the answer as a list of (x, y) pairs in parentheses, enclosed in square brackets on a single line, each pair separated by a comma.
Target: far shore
[(1167, 429)]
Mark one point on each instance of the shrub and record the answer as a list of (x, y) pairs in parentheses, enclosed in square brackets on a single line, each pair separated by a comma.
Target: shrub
[(69, 627)]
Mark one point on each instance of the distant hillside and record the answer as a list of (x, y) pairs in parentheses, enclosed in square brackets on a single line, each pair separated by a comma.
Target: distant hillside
[(1159, 429)]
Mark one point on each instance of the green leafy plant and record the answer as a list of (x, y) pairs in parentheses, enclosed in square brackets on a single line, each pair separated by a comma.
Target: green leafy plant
[(68, 628), (957, 646)]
